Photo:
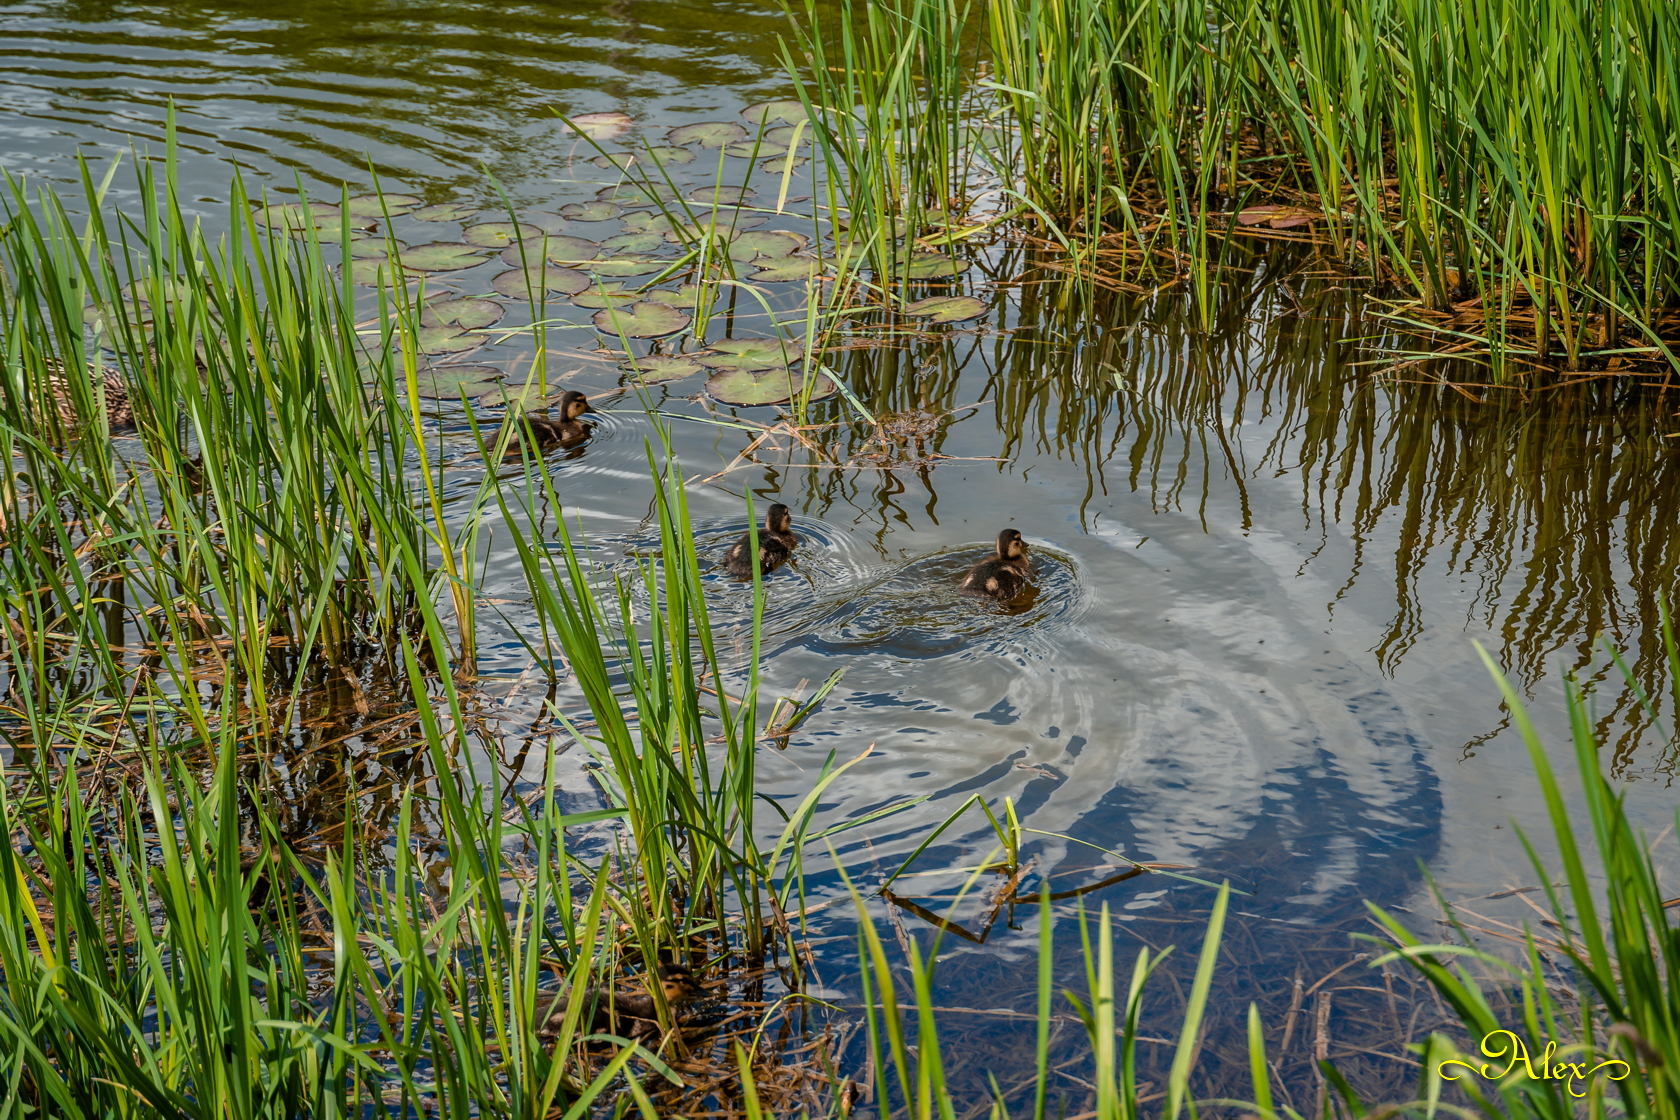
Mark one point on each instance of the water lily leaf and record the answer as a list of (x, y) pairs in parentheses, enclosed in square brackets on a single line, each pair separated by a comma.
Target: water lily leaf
[(496, 235), (665, 367), (637, 194), (296, 216), (708, 134), (448, 383), (524, 398), (723, 196), (444, 212), (689, 296), (589, 211), (946, 309), (549, 223), (441, 256), (783, 135), (528, 283), (374, 248), (610, 293), (462, 314), (100, 318), (625, 264), (776, 165), (641, 320), (378, 205), (634, 242), (763, 386), (774, 112), (925, 266), (750, 353), (657, 156), (773, 244), (445, 340), (749, 150), (557, 248), (790, 268), (601, 126), (645, 221), (378, 273)]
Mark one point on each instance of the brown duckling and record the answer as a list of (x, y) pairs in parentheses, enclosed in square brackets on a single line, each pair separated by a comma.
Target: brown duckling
[(119, 410), (776, 543), (546, 431), (628, 1014), (1002, 575)]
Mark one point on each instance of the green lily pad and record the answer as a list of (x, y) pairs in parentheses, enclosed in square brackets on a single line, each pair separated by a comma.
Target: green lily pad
[(462, 314), (784, 135), (521, 397), (946, 309), (722, 196), (441, 256), (378, 273), (610, 293), (750, 353), (296, 216), (778, 164), (747, 387), (99, 317), (558, 248), (634, 242), (641, 320), (590, 211), (601, 126), (788, 269), (374, 248), (378, 205), (665, 367), (496, 235), (688, 296), (645, 221), (749, 150), (774, 112), (772, 244), (449, 383), (625, 264), (637, 194), (543, 220), (444, 212), (528, 283), (445, 340), (926, 266), (658, 156), (708, 134)]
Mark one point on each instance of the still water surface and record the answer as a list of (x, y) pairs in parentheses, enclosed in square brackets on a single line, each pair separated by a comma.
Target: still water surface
[(1261, 571)]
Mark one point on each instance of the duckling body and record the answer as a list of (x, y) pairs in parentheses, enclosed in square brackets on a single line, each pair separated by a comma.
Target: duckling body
[(119, 410), (546, 431), (776, 543), (628, 1014), (1001, 575)]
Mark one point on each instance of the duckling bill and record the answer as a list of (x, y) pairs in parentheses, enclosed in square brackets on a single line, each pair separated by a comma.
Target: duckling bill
[(548, 431), (776, 543), (627, 1014), (1003, 574)]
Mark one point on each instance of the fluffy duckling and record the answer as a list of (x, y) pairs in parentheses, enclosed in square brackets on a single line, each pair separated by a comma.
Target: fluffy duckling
[(776, 543), (119, 410), (1002, 575), (629, 1014), (546, 431)]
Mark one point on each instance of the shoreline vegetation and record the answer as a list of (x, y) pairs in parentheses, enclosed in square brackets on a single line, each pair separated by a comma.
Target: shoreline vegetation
[(210, 909)]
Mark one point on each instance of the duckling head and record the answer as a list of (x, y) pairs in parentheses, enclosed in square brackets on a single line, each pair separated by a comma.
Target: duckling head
[(679, 983), (779, 519), (1010, 545), (573, 404)]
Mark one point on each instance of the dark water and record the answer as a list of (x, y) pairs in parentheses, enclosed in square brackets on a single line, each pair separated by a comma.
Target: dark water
[(1260, 569)]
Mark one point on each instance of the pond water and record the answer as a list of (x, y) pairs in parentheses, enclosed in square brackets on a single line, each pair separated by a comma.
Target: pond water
[(1261, 570)]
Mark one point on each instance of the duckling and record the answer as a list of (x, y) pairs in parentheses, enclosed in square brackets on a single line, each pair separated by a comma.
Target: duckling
[(630, 1014), (1003, 575), (546, 431), (776, 543), (119, 410)]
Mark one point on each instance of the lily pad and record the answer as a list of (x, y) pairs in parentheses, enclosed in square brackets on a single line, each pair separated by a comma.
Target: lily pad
[(774, 112), (559, 248), (645, 221), (549, 223), (590, 211), (625, 264), (441, 256), (724, 196), (601, 126), (449, 383), (641, 320), (528, 283), (657, 156), (784, 135), (669, 367), (374, 248), (445, 340), (496, 235), (689, 296), (926, 266), (637, 194), (776, 165), (378, 205), (946, 309), (444, 212), (462, 314), (749, 150), (749, 387), (708, 134), (634, 242), (378, 273), (750, 353), (522, 397), (765, 243), (788, 269), (296, 216), (611, 293)]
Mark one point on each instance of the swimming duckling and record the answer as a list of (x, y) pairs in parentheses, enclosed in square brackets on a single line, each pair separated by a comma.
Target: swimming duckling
[(776, 543), (629, 1014), (1003, 575), (546, 431), (119, 410)]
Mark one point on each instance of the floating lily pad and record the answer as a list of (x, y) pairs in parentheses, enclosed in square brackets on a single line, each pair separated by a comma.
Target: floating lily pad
[(777, 165), (661, 368), (445, 340), (601, 126), (378, 273), (645, 221), (926, 266), (946, 309), (611, 293), (772, 244), (709, 134), (374, 248), (495, 235), (559, 248), (449, 383), (441, 256), (725, 196), (590, 211), (642, 320), (378, 205), (101, 318), (462, 314), (634, 242), (625, 264), (543, 220), (788, 269), (444, 212), (749, 387), (657, 156), (296, 216), (528, 283), (747, 149), (750, 353), (784, 135), (773, 112), (689, 296), (637, 194), (521, 397)]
